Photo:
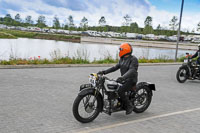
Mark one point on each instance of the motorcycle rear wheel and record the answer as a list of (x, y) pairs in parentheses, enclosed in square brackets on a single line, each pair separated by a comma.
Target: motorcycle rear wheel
[(142, 99), (89, 107)]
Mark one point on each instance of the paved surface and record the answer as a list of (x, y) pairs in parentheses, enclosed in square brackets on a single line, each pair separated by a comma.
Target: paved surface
[(77, 65), (40, 101), (143, 43)]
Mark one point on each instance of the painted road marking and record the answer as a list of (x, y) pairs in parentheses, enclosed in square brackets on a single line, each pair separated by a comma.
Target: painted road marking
[(140, 120)]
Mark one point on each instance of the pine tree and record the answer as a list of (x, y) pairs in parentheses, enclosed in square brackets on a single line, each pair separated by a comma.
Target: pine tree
[(56, 23), (173, 23)]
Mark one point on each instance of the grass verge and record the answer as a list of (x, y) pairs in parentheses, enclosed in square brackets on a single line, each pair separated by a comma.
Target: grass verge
[(6, 36), (68, 60), (37, 35)]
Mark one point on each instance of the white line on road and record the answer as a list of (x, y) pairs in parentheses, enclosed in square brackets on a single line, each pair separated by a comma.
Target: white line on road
[(140, 120)]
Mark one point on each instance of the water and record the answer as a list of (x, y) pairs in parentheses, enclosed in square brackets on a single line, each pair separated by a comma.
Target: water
[(37, 48)]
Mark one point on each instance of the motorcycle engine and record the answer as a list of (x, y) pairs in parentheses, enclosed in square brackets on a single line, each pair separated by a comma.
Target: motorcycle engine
[(113, 104)]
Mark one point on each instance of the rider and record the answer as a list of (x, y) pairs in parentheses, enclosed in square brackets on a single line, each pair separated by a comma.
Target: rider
[(197, 54), (128, 65)]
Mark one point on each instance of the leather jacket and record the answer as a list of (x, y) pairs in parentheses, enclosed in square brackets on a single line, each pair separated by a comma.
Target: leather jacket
[(128, 67), (196, 54)]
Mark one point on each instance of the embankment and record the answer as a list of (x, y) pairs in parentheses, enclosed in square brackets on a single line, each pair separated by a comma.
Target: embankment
[(8, 34)]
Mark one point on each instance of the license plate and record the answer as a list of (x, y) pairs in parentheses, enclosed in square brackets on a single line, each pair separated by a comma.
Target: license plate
[(186, 61)]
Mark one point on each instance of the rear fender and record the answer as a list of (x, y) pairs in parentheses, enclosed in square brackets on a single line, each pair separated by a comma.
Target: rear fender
[(148, 84), (92, 91)]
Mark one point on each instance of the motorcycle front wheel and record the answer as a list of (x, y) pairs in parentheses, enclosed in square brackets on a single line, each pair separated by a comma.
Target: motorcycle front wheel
[(182, 75), (86, 107)]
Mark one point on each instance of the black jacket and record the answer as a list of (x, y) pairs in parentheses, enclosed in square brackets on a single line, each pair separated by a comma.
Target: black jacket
[(128, 67), (196, 54)]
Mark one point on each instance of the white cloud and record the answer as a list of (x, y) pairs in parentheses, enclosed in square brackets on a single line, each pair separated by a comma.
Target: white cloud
[(113, 13)]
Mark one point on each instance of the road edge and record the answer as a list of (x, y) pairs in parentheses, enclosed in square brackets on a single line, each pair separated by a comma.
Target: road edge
[(75, 65)]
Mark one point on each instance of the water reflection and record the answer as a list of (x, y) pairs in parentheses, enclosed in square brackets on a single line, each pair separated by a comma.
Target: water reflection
[(30, 48)]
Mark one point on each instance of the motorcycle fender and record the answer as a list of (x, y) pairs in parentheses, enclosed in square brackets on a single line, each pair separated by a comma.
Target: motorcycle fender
[(85, 86), (150, 85), (86, 90), (92, 90), (186, 67)]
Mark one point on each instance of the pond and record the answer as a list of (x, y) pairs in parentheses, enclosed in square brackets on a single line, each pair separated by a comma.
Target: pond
[(37, 48)]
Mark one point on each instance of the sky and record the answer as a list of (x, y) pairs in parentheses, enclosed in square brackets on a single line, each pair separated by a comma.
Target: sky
[(161, 11)]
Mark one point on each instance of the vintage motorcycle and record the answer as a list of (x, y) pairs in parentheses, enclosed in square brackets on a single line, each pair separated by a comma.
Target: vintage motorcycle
[(188, 70), (100, 95)]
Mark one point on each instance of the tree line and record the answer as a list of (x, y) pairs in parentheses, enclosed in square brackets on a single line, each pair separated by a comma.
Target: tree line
[(128, 26)]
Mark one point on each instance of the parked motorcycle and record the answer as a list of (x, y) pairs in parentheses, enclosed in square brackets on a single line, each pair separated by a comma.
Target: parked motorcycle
[(100, 95), (188, 70)]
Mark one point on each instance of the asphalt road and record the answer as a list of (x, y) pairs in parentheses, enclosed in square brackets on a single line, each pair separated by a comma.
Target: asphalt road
[(40, 101)]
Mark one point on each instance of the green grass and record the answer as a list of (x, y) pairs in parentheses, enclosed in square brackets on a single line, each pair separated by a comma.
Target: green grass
[(37, 35), (68, 60), (18, 33), (64, 60), (7, 36), (107, 60), (57, 37)]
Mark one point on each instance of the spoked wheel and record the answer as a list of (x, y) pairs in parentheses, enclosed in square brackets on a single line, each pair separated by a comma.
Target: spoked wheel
[(86, 107), (142, 99), (182, 75)]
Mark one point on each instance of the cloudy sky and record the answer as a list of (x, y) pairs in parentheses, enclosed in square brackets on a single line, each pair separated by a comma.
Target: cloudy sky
[(113, 10)]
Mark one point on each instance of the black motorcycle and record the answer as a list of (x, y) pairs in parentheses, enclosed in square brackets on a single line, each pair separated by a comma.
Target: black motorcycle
[(188, 70), (100, 95)]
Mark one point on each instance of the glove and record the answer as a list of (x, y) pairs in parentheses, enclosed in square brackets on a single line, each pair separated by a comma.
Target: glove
[(120, 79), (101, 72)]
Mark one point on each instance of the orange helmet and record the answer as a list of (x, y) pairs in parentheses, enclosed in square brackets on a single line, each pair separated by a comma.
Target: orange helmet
[(125, 49)]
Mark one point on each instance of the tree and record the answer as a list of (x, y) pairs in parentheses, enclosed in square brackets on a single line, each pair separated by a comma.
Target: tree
[(148, 21), (41, 22), (173, 23), (102, 21), (198, 26), (148, 29), (127, 19), (84, 23), (8, 19), (1, 19), (8, 16), (71, 21), (134, 27), (158, 30), (17, 18), (29, 20), (158, 27), (66, 27), (193, 31), (56, 23)]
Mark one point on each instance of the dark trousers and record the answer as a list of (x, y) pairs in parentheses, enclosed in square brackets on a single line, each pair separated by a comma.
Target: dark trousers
[(198, 62), (124, 88)]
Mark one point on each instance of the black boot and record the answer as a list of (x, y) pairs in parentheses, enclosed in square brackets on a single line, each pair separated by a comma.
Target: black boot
[(129, 107)]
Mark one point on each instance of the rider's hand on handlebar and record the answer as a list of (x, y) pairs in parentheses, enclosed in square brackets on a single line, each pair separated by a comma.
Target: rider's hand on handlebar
[(120, 79), (101, 72)]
